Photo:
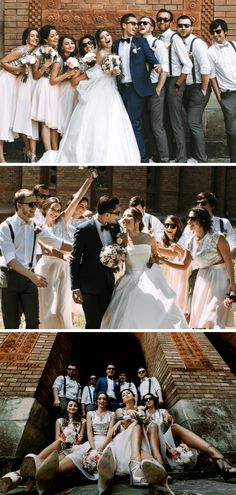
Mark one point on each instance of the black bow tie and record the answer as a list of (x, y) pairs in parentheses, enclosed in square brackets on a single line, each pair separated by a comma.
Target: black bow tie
[(125, 39), (105, 227)]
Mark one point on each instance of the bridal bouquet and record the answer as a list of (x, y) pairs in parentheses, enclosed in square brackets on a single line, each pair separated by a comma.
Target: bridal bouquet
[(112, 62), (90, 461), (48, 52), (89, 60), (230, 300), (72, 63), (112, 256), (26, 61), (182, 454), (69, 438)]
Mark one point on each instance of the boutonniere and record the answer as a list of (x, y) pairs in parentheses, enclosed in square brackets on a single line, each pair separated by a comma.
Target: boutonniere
[(134, 48)]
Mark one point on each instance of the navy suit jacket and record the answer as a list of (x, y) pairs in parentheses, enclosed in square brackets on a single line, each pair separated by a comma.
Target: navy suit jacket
[(140, 55), (101, 386), (87, 272)]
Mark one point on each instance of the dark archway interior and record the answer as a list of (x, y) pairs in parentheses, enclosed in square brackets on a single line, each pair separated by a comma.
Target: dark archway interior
[(93, 351)]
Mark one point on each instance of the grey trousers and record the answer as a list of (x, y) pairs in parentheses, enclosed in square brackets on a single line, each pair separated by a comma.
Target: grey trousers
[(156, 115), (175, 102), (228, 106), (194, 103)]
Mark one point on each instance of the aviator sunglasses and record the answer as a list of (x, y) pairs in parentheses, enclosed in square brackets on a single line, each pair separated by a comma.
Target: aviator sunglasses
[(170, 225)]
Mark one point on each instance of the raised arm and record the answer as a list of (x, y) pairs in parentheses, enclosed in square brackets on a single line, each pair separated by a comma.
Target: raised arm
[(69, 211)]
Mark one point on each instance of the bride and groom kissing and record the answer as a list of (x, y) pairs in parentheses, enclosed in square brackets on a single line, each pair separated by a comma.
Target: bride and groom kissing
[(141, 299)]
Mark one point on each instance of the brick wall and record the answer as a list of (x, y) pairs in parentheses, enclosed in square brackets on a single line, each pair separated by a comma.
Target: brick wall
[(188, 366), (166, 189), (82, 16)]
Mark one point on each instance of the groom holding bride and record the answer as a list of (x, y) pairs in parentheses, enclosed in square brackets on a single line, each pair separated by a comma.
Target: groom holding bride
[(92, 282), (142, 298)]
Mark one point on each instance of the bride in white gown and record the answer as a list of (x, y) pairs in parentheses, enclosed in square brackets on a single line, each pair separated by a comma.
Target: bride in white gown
[(142, 298), (99, 130)]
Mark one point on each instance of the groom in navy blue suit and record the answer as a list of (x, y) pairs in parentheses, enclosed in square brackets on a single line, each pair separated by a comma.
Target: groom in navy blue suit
[(92, 283), (136, 84), (110, 386)]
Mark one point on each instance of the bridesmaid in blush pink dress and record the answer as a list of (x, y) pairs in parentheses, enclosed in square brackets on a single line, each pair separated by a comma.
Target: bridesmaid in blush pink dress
[(177, 280), (22, 122), (45, 97), (62, 74), (11, 70)]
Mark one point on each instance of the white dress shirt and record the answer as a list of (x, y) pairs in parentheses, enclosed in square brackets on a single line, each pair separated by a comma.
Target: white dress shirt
[(153, 225), (105, 235), (73, 388), (22, 247), (181, 63), (201, 61), (124, 52), (145, 386), (110, 388), (161, 53), (87, 394), (223, 62)]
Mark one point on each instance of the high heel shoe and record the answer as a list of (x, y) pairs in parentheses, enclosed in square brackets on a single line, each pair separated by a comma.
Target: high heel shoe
[(136, 475), (224, 470), (33, 158), (106, 465), (10, 481), (29, 466), (155, 473)]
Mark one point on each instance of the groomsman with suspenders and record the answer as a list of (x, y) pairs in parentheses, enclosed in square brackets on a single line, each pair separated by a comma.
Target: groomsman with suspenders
[(148, 385), (180, 66), (87, 399), (66, 388), (18, 241), (197, 90)]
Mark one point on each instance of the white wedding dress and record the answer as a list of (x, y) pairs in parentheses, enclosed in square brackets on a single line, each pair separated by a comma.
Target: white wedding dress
[(100, 130), (142, 298)]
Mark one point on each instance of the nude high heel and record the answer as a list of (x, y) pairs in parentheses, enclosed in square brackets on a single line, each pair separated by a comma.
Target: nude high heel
[(155, 473), (137, 478), (9, 481), (29, 466)]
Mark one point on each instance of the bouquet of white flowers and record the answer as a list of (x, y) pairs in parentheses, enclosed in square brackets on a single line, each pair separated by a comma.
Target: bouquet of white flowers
[(26, 61), (112, 62), (89, 60), (182, 454), (90, 461), (230, 300), (72, 63), (48, 52), (112, 256)]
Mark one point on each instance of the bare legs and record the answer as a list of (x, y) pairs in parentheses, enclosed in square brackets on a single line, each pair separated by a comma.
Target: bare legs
[(49, 137), (154, 441), (2, 159)]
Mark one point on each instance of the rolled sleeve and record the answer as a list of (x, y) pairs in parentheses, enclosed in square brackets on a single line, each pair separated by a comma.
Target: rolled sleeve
[(182, 54), (6, 244)]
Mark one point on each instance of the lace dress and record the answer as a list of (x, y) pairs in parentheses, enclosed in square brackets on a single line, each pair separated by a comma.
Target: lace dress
[(100, 426), (99, 130), (69, 434), (211, 285), (142, 298), (55, 300)]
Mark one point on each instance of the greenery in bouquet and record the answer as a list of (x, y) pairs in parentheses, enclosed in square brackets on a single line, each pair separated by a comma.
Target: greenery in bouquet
[(90, 461), (26, 61)]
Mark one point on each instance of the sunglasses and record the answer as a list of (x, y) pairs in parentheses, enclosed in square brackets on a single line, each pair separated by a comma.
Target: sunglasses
[(145, 23), (163, 19), (183, 26), (141, 371), (134, 23), (44, 196), (110, 369), (192, 219), (217, 31), (170, 225), (31, 204), (147, 398), (202, 202), (88, 43)]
